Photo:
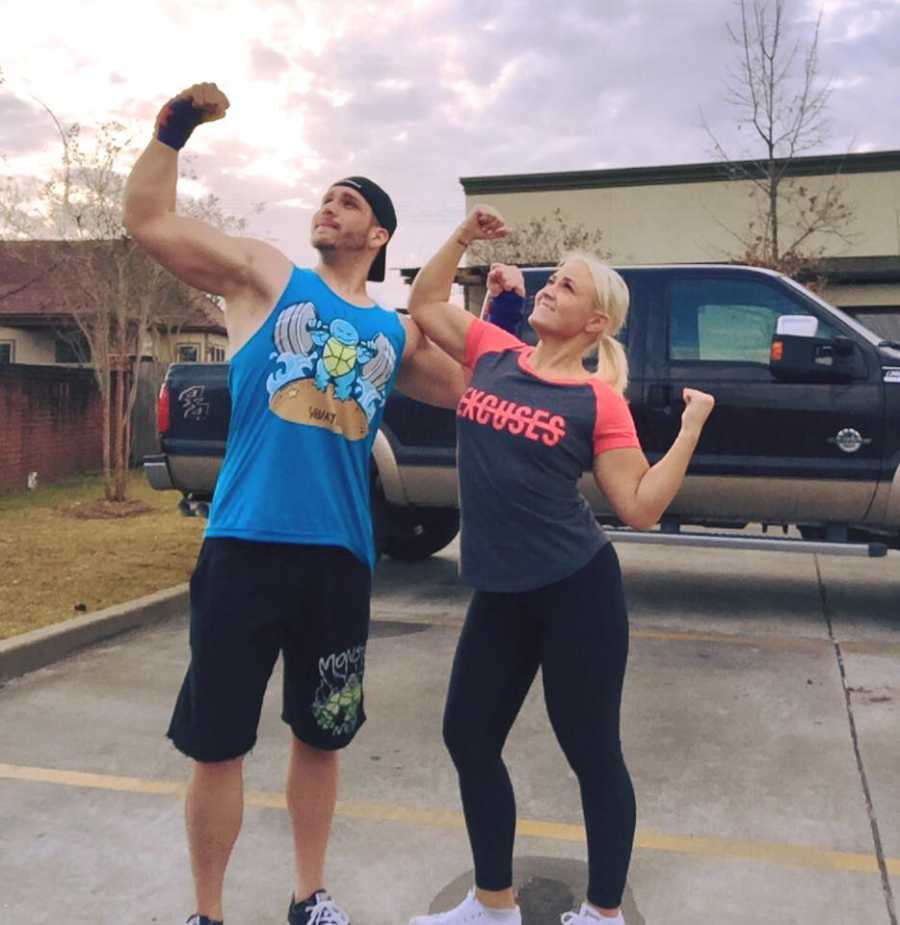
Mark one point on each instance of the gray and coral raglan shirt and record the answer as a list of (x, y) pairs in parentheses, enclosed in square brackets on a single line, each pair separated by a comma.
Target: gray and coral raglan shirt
[(524, 441)]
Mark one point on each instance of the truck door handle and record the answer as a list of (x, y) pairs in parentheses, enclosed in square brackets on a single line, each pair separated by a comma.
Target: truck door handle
[(659, 398)]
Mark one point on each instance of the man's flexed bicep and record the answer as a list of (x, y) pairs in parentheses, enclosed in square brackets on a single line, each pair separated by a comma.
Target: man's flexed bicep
[(198, 254), (208, 259)]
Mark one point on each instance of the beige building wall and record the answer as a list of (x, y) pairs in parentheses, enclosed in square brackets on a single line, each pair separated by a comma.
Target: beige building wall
[(852, 296), (686, 222), (688, 214), (30, 347)]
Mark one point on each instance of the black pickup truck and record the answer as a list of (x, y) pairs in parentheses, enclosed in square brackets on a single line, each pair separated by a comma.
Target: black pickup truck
[(805, 433)]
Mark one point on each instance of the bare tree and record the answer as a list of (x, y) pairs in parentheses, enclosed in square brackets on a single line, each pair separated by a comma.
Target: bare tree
[(777, 91), (541, 240), (121, 301)]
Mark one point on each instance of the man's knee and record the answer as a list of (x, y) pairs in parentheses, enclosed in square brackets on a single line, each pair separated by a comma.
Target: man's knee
[(212, 770), (308, 754)]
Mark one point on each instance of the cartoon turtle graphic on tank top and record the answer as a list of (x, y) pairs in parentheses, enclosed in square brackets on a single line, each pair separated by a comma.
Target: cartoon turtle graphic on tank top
[(326, 374), (341, 352)]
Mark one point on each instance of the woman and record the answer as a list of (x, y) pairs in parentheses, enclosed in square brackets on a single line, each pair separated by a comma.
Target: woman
[(548, 591)]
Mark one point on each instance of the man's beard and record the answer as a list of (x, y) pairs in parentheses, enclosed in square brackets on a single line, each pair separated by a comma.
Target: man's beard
[(348, 243)]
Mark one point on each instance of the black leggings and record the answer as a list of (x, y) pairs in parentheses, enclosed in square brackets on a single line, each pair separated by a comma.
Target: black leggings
[(577, 631)]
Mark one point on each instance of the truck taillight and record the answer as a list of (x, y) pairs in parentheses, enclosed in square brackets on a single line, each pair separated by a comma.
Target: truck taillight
[(162, 410)]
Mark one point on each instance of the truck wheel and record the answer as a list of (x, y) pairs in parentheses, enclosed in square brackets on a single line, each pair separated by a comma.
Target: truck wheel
[(417, 533)]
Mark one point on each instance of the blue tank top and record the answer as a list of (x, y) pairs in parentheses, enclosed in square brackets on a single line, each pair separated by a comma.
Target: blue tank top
[(307, 397)]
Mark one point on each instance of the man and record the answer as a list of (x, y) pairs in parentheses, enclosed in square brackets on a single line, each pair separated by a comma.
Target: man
[(286, 562)]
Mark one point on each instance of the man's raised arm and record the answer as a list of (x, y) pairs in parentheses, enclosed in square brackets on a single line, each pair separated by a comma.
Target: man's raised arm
[(195, 252)]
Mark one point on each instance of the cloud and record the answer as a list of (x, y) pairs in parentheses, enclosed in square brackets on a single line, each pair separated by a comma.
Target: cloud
[(25, 127), (503, 87), (266, 63), (418, 93)]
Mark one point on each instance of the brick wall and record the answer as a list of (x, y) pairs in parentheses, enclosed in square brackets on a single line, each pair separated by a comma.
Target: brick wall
[(49, 424)]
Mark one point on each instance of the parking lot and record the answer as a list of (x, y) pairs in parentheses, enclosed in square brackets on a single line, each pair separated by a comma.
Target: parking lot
[(760, 726)]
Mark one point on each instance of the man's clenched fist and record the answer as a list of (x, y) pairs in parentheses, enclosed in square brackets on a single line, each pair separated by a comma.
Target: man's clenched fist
[(203, 102)]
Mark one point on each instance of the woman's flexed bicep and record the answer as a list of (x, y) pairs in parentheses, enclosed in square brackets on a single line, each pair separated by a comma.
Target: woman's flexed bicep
[(428, 373), (444, 323), (618, 474)]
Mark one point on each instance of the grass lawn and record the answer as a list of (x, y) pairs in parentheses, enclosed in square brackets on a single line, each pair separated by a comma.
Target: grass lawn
[(52, 562)]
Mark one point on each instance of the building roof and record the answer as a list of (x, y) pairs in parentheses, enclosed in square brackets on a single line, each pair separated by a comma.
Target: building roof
[(711, 172), (846, 270), (35, 288)]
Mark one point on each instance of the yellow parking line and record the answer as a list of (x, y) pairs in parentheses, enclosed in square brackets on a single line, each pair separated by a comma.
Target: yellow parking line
[(91, 781), (704, 846), (809, 644), (872, 648), (787, 643)]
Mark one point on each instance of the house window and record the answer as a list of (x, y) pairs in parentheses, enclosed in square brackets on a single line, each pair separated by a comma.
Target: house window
[(187, 353), (215, 355), (72, 348), (7, 351)]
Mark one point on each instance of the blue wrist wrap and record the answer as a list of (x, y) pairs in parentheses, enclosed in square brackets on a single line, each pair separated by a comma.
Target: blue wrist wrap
[(176, 120), (506, 311)]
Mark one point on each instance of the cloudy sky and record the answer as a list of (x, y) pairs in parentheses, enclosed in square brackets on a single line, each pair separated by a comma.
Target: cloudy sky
[(418, 93)]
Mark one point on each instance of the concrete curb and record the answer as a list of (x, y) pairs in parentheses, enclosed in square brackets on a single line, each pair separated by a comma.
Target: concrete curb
[(33, 650)]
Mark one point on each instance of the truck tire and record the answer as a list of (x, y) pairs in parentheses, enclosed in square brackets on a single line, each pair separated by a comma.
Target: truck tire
[(417, 533)]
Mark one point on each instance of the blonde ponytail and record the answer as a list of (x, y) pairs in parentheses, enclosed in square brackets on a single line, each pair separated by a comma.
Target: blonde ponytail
[(611, 297), (612, 363)]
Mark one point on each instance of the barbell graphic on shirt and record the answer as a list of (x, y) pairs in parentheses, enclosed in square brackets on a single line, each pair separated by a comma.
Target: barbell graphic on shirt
[(349, 373)]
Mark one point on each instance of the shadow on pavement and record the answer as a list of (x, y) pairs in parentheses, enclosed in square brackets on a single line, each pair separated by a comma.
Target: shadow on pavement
[(545, 887)]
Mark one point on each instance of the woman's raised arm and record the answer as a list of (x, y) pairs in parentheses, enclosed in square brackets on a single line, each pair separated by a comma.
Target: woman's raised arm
[(440, 320)]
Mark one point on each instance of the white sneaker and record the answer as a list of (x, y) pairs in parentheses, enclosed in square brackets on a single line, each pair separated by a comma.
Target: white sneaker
[(588, 916), (470, 910)]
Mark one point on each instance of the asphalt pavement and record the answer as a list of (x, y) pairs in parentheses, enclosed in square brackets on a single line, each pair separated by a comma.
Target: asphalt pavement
[(760, 724)]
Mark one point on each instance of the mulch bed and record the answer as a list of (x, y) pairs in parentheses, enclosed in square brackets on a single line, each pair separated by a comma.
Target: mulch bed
[(102, 509)]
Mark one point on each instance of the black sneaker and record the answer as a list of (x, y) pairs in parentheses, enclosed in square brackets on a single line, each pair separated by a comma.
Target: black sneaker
[(202, 920), (319, 909)]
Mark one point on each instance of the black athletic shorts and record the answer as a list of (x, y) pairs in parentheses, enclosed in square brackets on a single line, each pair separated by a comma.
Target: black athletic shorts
[(250, 601)]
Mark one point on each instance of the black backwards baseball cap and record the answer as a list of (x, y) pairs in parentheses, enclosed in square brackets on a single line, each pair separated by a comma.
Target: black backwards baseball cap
[(383, 209)]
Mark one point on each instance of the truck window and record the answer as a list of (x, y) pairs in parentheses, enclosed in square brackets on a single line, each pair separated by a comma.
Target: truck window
[(883, 321), (722, 320)]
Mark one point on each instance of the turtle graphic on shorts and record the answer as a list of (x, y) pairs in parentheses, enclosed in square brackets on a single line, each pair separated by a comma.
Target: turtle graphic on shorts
[(338, 699), (339, 712)]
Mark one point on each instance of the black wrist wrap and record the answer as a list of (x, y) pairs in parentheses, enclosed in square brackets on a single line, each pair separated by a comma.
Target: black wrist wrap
[(176, 120)]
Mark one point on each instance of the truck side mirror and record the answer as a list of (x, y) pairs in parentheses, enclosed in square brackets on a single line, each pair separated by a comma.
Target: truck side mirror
[(802, 358), (798, 325)]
